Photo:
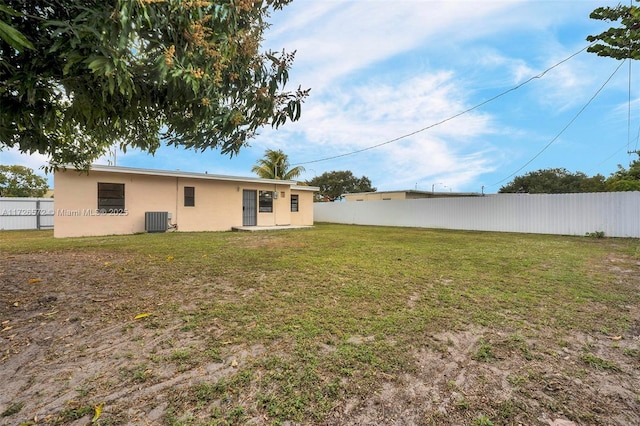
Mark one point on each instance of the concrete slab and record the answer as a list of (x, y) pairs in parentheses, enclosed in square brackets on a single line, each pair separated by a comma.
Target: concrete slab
[(269, 228)]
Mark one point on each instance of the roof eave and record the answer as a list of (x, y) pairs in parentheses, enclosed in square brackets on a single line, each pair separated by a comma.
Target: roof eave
[(181, 174)]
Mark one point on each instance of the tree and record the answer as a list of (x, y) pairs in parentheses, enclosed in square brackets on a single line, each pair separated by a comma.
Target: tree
[(625, 180), (554, 181), (79, 76), (275, 165), (20, 181), (334, 184), (622, 42)]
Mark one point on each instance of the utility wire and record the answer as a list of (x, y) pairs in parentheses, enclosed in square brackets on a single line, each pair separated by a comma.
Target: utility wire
[(588, 172), (635, 148), (565, 127), (542, 74), (629, 110)]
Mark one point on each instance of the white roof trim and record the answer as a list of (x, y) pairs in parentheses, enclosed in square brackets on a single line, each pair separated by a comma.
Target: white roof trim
[(305, 188), (192, 175)]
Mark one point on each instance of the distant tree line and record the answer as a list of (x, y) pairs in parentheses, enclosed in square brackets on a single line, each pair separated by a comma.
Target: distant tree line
[(20, 181), (561, 181), (333, 185)]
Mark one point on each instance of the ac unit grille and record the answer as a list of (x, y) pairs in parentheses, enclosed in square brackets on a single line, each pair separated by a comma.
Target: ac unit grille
[(156, 221)]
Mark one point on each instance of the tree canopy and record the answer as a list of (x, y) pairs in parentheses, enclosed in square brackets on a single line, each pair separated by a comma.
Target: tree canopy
[(20, 181), (275, 165), (334, 184), (625, 180), (622, 41), (554, 181), (78, 76)]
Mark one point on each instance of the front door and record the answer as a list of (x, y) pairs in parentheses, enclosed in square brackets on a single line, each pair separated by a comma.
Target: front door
[(249, 208)]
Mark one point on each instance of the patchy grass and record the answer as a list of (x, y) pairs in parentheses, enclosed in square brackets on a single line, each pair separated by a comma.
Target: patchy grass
[(598, 363), (297, 325), (12, 409)]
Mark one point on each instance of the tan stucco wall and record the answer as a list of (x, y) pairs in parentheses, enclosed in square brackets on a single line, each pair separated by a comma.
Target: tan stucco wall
[(304, 215), (218, 203)]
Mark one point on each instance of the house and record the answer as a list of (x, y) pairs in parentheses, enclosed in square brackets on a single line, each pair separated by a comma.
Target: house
[(121, 200), (409, 194)]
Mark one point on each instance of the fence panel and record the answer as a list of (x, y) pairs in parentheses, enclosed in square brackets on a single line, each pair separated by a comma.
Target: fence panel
[(617, 214), (26, 213)]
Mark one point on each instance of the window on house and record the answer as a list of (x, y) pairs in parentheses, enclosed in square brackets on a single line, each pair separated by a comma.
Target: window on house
[(294, 203), (189, 196), (265, 202), (110, 197)]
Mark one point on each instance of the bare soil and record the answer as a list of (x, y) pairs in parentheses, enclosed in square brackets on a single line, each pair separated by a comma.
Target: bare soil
[(68, 341)]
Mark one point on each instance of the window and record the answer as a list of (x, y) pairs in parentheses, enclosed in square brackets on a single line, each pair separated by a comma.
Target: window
[(294, 203), (189, 196), (111, 197), (266, 202)]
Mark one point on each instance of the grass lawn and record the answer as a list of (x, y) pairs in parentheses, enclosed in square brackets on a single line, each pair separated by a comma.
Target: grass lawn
[(332, 325)]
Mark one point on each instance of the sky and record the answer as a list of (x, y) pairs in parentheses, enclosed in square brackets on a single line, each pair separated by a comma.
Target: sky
[(436, 95)]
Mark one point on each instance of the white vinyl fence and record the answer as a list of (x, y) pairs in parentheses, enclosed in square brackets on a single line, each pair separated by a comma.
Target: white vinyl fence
[(26, 213), (617, 214)]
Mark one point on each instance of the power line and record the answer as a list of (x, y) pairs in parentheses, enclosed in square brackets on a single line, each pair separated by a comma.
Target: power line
[(588, 172), (565, 127), (635, 148), (542, 74)]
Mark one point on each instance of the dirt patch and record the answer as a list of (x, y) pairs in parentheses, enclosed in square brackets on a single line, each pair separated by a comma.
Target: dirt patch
[(73, 335), (466, 376), (69, 330)]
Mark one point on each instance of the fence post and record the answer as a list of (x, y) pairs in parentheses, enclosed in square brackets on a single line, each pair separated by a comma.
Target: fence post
[(38, 214)]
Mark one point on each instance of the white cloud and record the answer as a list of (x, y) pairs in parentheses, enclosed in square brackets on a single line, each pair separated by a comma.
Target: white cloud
[(376, 112), (349, 36), (13, 156)]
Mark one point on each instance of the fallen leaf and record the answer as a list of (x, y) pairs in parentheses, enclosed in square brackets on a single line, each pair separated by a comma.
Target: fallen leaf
[(7, 328), (146, 314), (98, 412), (16, 303), (234, 363), (170, 258), (107, 263), (34, 280), (616, 337)]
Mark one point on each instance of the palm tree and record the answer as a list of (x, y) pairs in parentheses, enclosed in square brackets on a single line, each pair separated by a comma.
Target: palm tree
[(275, 165)]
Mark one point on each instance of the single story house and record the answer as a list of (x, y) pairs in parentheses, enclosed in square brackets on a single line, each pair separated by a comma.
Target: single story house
[(109, 200), (408, 194)]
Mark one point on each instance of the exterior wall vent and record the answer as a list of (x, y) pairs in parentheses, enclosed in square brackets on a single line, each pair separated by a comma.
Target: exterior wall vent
[(156, 221)]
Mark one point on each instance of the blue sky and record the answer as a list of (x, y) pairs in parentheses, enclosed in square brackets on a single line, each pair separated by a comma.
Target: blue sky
[(379, 70)]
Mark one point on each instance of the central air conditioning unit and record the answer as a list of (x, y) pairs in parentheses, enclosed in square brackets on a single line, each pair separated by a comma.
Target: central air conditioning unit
[(156, 221)]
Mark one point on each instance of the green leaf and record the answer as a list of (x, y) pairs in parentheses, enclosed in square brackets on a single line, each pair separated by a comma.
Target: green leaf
[(14, 37), (99, 65), (9, 11)]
